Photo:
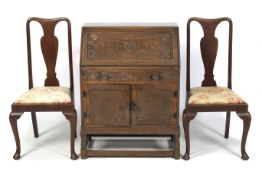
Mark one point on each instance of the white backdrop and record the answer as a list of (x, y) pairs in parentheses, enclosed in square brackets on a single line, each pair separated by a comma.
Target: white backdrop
[(210, 152)]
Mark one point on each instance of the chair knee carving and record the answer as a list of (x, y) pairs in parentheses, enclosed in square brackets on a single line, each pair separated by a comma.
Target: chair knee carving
[(51, 97), (210, 97)]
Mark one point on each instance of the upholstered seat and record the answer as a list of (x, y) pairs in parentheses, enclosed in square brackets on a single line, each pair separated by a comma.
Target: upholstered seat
[(213, 95), (45, 95)]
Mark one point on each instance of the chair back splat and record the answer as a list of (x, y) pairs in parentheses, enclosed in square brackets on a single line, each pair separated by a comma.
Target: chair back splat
[(49, 46)]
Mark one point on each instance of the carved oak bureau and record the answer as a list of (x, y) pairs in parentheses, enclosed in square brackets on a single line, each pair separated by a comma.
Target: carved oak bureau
[(130, 85)]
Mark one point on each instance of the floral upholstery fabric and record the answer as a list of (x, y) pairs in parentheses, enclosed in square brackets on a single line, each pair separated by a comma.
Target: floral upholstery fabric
[(45, 95), (213, 95)]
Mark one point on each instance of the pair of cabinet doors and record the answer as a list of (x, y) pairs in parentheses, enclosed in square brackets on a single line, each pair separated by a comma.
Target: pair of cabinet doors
[(129, 105)]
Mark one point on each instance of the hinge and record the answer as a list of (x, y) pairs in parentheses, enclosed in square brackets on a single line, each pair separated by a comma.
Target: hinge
[(175, 93), (83, 73), (84, 114), (84, 93), (174, 115)]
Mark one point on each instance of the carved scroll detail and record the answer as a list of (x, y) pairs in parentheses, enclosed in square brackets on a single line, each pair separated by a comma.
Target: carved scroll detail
[(167, 37), (130, 46), (92, 37), (167, 55), (91, 54)]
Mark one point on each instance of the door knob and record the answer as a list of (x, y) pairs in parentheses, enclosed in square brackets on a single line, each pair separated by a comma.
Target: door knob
[(155, 76)]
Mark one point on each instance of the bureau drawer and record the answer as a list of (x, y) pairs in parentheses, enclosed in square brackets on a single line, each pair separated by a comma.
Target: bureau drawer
[(130, 75)]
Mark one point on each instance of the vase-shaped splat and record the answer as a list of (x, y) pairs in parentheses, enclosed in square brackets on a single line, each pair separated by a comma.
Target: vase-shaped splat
[(49, 46), (209, 47)]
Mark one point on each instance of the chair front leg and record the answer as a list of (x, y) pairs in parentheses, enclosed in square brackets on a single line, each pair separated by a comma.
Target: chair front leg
[(71, 117), (187, 117), (246, 117), (13, 117)]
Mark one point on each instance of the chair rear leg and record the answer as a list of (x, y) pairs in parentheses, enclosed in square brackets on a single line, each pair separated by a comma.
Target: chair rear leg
[(71, 116), (13, 117), (227, 124), (34, 122)]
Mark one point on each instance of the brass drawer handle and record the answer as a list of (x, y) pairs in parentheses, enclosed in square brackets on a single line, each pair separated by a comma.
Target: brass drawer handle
[(104, 75), (155, 76), (132, 106)]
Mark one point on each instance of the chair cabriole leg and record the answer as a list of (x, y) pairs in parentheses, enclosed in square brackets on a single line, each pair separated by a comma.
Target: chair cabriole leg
[(187, 117), (246, 117), (13, 117), (71, 117)]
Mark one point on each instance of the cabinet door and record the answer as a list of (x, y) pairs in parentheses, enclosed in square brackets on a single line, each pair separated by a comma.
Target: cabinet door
[(154, 105), (106, 105)]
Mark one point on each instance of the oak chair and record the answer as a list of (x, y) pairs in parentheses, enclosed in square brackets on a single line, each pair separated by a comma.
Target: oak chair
[(51, 97), (210, 97)]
